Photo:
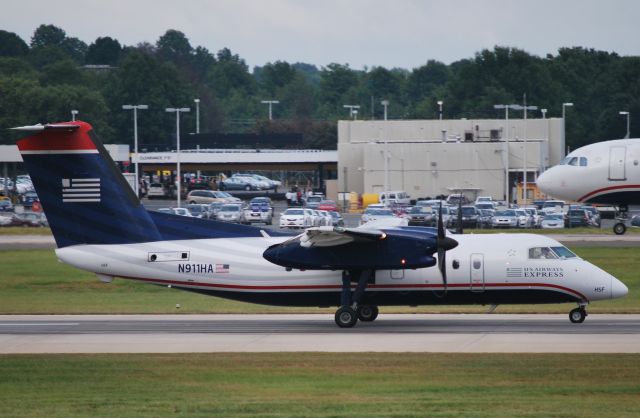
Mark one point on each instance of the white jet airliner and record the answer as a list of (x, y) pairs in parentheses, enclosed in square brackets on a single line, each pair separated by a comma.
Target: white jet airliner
[(605, 172), (100, 226)]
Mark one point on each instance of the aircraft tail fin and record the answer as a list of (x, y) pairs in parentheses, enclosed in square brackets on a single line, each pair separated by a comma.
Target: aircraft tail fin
[(84, 196)]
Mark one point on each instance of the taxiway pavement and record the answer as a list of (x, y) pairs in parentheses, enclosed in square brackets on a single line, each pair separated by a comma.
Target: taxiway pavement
[(317, 332)]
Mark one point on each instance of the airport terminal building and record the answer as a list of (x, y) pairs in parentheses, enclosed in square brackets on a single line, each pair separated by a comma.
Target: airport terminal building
[(427, 158)]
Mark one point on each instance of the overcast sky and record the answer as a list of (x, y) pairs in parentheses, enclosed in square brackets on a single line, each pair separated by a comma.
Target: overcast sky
[(389, 33)]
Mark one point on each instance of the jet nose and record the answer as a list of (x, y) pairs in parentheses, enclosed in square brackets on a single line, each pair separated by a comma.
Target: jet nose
[(545, 183), (618, 289)]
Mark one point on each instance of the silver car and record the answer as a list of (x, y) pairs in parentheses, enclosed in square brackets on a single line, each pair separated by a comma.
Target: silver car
[(231, 213), (505, 219)]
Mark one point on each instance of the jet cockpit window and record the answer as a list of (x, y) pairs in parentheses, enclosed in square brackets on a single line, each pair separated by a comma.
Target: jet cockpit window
[(563, 252), (541, 253), (583, 161)]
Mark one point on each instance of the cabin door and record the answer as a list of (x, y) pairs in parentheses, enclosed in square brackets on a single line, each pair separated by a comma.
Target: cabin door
[(477, 272), (617, 163)]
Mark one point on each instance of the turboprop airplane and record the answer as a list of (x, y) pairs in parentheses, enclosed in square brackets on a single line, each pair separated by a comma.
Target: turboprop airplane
[(605, 172), (100, 226)]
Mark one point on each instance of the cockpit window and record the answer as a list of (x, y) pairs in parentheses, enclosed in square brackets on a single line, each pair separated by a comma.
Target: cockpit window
[(583, 161), (542, 253), (563, 252), (575, 161)]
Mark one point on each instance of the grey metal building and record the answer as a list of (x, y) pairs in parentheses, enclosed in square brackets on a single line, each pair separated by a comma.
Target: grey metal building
[(434, 157)]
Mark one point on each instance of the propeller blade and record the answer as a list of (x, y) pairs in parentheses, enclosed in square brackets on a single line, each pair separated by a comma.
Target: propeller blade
[(459, 225), (444, 244), (440, 223)]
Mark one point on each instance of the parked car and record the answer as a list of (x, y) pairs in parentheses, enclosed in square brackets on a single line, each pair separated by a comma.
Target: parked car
[(505, 219), (485, 205), (536, 217), (552, 221), (484, 218), (295, 218), (28, 198), (336, 218), (205, 196), (27, 219), (553, 206), (181, 212), (328, 205), (239, 183), (483, 199), (198, 210), (260, 209), (420, 216), (313, 201), (470, 217), (576, 217), (214, 207), (231, 212), (5, 220), (375, 214), (454, 199), (326, 219), (6, 205), (594, 215), (156, 190), (266, 182), (524, 219), (398, 197)]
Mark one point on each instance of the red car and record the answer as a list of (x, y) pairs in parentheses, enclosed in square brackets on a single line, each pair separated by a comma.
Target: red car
[(329, 205)]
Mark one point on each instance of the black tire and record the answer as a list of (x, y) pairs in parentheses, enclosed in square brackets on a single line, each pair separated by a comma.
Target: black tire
[(193, 202), (619, 228), (367, 313), (346, 317), (577, 315)]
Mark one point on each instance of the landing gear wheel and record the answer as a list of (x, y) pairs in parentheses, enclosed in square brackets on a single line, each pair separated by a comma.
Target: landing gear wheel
[(367, 313), (346, 317), (619, 228), (577, 315)]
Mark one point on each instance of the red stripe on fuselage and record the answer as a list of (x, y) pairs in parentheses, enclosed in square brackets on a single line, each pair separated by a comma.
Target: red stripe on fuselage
[(338, 287), (59, 140), (607, 189)]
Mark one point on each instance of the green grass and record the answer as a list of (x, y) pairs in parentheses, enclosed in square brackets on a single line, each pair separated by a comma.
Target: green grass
[(24, 230), (33, 281), (320, 385)]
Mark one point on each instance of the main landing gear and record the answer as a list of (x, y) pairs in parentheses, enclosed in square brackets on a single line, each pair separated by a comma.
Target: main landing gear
[(350, 310), (578, 315)]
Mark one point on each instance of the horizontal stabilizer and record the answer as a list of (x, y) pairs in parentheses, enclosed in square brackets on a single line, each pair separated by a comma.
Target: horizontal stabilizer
[(48, 127)]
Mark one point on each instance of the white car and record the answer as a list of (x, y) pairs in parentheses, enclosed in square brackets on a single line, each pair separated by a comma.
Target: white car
[(155, 190), (524, 220), (375, 214), (327, 219), (295, 218), (505, 219), (552, 221)]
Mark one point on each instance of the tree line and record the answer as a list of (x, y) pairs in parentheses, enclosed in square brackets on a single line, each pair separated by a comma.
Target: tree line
[(43, 80)]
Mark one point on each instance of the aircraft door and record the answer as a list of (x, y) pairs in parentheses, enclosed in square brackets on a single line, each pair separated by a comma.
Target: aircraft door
[(477, 272), (617, 163)]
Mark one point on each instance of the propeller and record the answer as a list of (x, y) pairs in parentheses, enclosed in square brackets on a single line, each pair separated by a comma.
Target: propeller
[(444, 244), (459, 223)]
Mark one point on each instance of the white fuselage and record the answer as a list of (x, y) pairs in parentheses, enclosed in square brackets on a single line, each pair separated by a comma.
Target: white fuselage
[(604, 172), (485, 263)]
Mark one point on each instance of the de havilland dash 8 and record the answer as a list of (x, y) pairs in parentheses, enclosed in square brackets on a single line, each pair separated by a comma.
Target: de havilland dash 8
[(99, 225)]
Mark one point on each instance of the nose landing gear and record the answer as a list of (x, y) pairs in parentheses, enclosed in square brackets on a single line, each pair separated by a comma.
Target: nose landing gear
[(578, 315)]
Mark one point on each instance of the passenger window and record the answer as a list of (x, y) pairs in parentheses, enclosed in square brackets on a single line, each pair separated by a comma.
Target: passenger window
[(541, 253)]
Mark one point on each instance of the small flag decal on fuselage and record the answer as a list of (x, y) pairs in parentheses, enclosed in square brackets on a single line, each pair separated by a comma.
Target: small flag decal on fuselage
[(222, 268), (80, 190)]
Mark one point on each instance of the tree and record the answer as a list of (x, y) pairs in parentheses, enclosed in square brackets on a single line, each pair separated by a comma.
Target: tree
[(47, 35), (277, 75), (104, 51), (174, 46), (11, 45), (61, 72), (335, 81)]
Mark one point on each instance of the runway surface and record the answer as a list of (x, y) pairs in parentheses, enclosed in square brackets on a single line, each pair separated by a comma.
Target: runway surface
[(262, 333)]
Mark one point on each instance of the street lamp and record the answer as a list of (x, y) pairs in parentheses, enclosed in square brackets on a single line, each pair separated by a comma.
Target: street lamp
[(524, 153), (353, 112), (270, 103), (197, 102), (135, 136), (385, 103), (73, 115), (506, 108), (440, 103), (544, 113), (177, 112), (564, 129), (628, 126)]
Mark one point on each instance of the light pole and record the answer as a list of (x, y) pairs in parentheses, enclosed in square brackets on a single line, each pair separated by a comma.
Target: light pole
[(197, 102), (135, 137), (628, 125), (73, 115), (525, 108), (270, 103), (544, 113), (506, 108), (353, 112), (385, 103), (440, 103), (177, 111), (564, 129)]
